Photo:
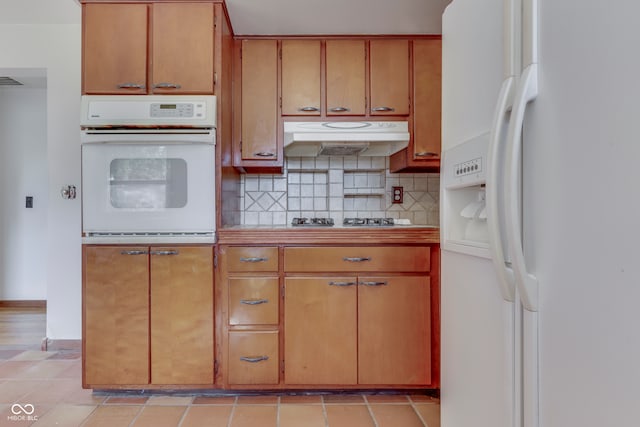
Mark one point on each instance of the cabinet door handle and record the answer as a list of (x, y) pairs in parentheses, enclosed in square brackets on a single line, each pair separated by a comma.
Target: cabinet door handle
[(374, 283), (165, 253), (308, 109), (254, 259), (254, 359), (342, 283), (130, 86), (165, 85), (264, 154), (339, 109), (382, 109), (253, 301), (356, 259), (426, 154), (134, 252)]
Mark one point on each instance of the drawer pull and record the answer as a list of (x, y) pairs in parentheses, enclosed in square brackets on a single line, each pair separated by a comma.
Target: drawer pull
[(254, 259), (342, 283), (254, 359), (134, 252), (374, 283), (264, 154), (426, 154), (356, 259), (165, 253), (165, 85), (253, 301), (382, 109), (130, 86), (339, 109), (308, 109)]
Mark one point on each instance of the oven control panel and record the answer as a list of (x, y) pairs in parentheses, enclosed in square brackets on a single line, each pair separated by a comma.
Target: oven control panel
[(148, 110), (182, 109)]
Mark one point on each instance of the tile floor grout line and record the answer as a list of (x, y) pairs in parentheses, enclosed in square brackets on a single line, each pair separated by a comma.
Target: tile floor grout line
[(324, 412), (370, 409), (133, 421), (424, 423), (184, 415), (233, 410), (84, 422)]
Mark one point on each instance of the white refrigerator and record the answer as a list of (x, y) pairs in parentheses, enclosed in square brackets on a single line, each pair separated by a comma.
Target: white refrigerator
[(540, 314)]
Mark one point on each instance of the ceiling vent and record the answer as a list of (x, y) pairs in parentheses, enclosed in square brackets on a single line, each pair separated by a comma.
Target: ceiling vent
[(8, 81)]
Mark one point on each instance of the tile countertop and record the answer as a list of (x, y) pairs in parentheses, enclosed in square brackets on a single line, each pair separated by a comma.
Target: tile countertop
[(260, 235)]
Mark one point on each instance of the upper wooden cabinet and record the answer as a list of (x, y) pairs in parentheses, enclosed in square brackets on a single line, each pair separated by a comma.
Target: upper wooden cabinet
[(346, 77), (300, 77), (423, 153), (147, 48), (259, 108), (114, 48), (389, 68)]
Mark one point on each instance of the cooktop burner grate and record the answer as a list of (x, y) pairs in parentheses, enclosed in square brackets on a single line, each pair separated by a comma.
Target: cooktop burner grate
[(367, 222), (312, 222)]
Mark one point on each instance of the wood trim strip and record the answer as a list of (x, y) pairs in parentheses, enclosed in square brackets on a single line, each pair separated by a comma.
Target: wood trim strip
[(23, 304)]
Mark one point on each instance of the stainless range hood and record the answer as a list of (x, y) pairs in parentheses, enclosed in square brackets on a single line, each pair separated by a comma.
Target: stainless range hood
[(311, 139)]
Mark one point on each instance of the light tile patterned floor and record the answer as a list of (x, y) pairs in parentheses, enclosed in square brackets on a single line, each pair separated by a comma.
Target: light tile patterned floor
[(47, 388)]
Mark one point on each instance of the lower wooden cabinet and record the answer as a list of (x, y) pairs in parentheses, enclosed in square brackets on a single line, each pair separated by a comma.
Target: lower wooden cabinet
[(148, 316), (357, 330), (320, 330), (116, 315)]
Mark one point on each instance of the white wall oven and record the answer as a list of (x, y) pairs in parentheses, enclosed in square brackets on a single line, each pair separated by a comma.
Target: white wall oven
[(148, 168)]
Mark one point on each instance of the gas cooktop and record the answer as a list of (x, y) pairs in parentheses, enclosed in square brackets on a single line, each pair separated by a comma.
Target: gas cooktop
[(347, 222)]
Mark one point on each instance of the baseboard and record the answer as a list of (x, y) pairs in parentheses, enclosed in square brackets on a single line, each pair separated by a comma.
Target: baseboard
[(61, 345), (23, 304)]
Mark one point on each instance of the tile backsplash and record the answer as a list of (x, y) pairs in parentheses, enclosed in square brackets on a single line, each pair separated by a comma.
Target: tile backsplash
[(337, 187)]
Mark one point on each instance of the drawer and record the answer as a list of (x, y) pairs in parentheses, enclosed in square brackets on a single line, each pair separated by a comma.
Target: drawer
[(248, 258), (364, 258), (253, 357), (253, 301)]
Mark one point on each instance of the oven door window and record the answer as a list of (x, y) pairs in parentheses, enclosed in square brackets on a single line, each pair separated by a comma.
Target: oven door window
[(148, 183)]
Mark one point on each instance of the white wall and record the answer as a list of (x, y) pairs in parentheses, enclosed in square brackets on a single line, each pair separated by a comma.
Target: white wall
[(55, 47), (23, 172)]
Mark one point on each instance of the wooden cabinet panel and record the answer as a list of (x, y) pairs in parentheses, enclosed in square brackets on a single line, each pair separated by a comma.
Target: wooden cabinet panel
[(253, 301), (394, 330), (320, 330), (248, 258), (114, 48), (182, 315), (327, 259), (427, 99), (259, 114), (346, 70), (253, 357), (116, 315), (182, 48), (389, 77), (300, 77)]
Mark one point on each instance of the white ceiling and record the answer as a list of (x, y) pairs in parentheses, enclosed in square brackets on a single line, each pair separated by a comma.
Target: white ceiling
[(326, 17)]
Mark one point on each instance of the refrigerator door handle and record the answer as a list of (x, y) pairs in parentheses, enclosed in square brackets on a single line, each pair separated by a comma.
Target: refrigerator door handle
[(526, 283), (495, 212)]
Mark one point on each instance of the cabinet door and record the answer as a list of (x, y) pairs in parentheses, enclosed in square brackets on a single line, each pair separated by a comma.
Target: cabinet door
[(320, 335), (394, 340), (116, 315), (427, 98), (182, 315), (114, 48), (389, 68), (259, 99), (182, 48), (346, 69), (301, 77)]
